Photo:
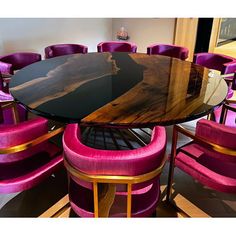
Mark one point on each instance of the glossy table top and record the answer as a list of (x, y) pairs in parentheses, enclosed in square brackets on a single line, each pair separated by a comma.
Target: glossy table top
[(122, 89)]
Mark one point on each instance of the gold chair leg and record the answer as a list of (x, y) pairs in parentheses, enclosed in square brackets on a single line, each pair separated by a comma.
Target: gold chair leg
[(129, 200), (95, 199), (172, 164)]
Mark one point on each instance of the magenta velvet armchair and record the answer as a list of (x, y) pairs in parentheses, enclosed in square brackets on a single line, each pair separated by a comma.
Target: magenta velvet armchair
[(26, 155), (220, 62), (17, 61), (130, 176), (168, 50), (209, 158), (224, 64), (64, 49), (10, 111), (116, 46)]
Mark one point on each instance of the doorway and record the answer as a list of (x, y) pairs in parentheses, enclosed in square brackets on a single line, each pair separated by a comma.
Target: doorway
[(204, 31)]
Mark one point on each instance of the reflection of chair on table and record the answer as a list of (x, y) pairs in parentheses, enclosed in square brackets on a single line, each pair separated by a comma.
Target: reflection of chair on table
[(100, 177)]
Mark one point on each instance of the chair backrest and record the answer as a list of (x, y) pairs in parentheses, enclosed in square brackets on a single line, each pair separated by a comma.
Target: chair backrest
[(116, 46), (64, 49), (168, 50), (20, 59), (222, 63), (109, 162)]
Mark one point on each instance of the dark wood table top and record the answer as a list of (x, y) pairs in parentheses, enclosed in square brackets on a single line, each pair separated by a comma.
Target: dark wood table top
[(121, 89)]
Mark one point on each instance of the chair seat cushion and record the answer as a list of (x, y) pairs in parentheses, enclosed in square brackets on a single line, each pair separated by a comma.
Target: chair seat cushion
[(219, 175), (24, 174)]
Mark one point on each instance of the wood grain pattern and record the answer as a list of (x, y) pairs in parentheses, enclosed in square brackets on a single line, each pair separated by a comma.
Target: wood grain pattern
[(185, 34), (150, 103)]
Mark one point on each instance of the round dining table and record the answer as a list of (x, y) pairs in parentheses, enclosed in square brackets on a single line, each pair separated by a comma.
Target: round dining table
[(118, 89)]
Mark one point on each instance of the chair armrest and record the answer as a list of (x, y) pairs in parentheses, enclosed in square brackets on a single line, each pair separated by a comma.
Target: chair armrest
[(203, 142), (24, 146)]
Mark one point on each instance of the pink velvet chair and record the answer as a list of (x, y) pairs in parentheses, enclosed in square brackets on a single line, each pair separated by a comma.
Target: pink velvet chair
[(116, 46), (168, 50), (12, 112), (209, 158), (19, 60), (64, 49), (224, 64), (102, 181), (26, 155)]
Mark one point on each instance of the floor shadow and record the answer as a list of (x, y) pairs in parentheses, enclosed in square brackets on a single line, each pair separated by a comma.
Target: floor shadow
[(33, 202)]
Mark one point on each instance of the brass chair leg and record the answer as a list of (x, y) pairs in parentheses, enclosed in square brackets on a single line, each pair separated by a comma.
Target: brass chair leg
[(95, 199), (129, 200), (172, 164)]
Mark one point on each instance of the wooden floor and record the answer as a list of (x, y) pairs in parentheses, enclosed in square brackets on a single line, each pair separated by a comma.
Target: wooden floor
[(180, 207)]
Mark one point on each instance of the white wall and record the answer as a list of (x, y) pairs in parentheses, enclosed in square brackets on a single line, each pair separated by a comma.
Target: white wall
[(146, 31), (34, 34)]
